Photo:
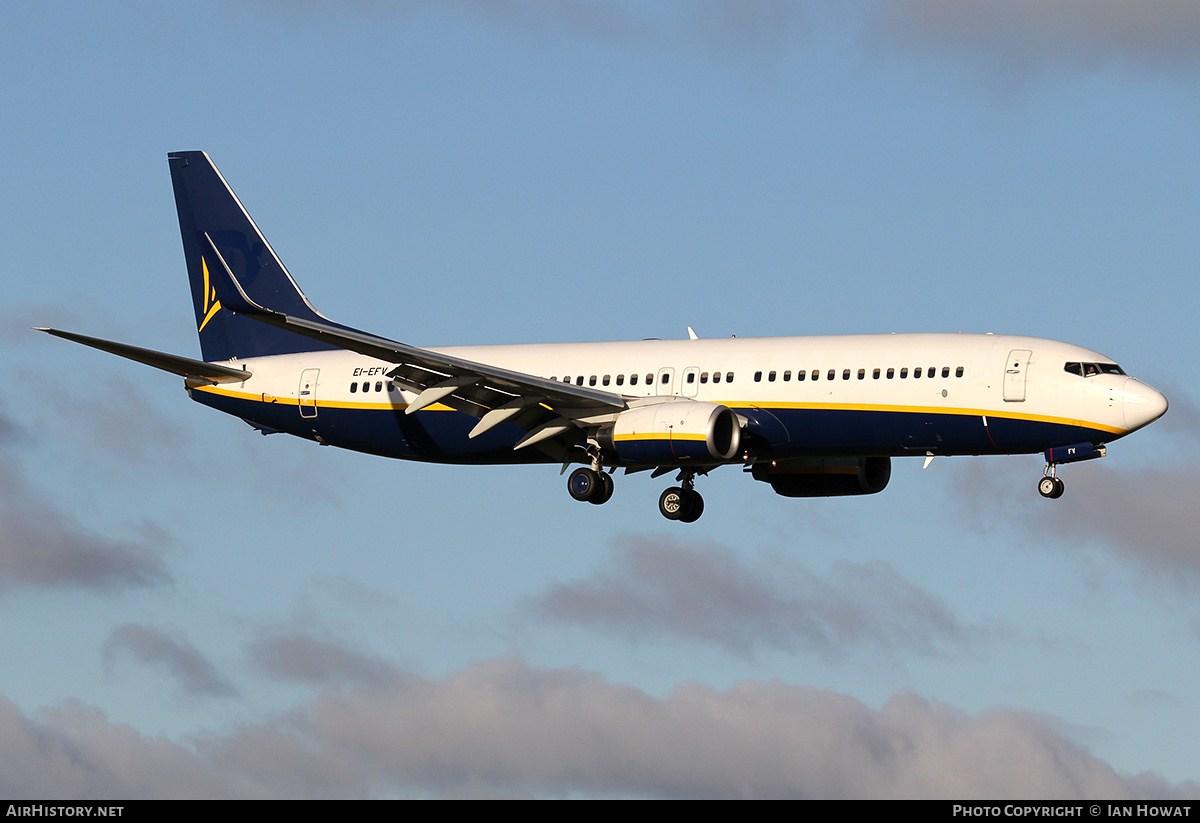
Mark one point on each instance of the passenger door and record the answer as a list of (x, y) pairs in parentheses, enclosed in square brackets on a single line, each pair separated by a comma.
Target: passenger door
[(1014, 375)]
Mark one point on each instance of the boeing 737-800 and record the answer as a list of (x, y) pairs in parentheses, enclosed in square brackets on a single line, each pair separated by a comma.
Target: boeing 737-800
[(810, 416)]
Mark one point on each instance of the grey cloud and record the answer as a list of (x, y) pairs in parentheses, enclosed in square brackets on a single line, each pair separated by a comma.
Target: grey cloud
[(11, 432), (120, 419), (724, 23), (17, 323), (1024, 36), (1155, 699), (1147, 516), (41, 545), (503, 728), (300, 657), (175, 655), (704, 592)]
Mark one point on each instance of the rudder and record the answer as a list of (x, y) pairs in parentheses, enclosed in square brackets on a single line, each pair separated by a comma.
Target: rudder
[(208, 206)]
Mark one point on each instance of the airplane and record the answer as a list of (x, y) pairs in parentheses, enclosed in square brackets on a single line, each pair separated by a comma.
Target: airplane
[(809, 416)]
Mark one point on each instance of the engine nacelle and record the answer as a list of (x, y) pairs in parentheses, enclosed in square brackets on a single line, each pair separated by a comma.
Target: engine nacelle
[(826, 476), (667, 433)]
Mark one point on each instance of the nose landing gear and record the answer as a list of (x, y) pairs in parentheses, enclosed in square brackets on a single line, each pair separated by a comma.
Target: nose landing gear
[(1050, 486)]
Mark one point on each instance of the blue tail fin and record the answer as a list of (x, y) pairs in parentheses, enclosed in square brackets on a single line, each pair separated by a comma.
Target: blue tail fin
[(207, 206)]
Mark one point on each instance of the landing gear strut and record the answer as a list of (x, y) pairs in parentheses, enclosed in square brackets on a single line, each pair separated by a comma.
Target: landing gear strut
[(682, 503)]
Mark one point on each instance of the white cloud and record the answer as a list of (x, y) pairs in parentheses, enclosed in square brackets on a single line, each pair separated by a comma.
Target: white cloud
[(503, 728)]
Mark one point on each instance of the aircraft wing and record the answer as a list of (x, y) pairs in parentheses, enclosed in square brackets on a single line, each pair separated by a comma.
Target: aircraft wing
[(545, 409)]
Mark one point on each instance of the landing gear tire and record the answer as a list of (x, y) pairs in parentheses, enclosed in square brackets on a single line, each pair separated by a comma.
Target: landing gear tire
[(684, 505), (584, 484), (671, 503), (604, 492), (693, 507), (1051, 488)]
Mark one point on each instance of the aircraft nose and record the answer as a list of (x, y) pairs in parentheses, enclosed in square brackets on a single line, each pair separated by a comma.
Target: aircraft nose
[(1141, 404)]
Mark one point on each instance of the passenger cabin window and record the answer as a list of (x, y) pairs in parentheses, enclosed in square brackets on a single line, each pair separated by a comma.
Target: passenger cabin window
[(800, 375), (633, 379), (366, 385), (379, 386), (945, 371), (728, 377), (958, 372), (916, 372), (579, 380), (903, 373), (891, 373), (875, 374), (620, 380), (771, 377), (605, 379), (862, 373), (832, 373), (716, 377), (787, 376), (845, 374), (353, 388), (758, 377)]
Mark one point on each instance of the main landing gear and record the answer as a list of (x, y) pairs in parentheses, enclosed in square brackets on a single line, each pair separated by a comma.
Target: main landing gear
[(590, 485), (682, 503)]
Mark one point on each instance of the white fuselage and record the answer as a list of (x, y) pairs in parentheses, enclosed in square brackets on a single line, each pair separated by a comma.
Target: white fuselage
[(859, 394)]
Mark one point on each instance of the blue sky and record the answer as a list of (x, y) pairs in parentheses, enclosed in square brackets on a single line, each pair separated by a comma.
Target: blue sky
[(191, 609)]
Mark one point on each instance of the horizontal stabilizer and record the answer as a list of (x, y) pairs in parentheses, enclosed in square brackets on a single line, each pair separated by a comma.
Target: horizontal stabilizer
[(183, 366)]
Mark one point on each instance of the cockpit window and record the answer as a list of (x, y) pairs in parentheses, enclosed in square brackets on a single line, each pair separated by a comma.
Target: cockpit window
[(1092, 369)]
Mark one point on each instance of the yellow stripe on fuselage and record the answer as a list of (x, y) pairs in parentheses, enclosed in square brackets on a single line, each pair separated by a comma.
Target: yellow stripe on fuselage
[(857, 407)]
